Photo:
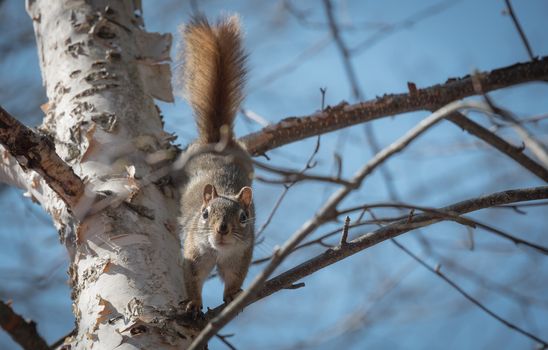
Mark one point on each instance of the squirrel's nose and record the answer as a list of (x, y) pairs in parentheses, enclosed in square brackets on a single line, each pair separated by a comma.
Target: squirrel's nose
[(223, 228)]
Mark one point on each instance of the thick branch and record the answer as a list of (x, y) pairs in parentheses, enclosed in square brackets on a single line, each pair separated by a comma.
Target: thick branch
[(343, 115), (21, 331), (36, 152)]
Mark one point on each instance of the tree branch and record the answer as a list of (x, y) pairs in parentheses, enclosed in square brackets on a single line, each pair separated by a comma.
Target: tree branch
[(343, 115), (21, 331), (499, 143), (367, 240), (293, 176), (469, 297), (536, 147), (36, 152), (343, 49), (520, 30), (324, 214), (370, 239), (446, 216)]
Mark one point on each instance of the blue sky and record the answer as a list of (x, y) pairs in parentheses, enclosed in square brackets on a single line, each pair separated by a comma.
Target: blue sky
[(406, 306)]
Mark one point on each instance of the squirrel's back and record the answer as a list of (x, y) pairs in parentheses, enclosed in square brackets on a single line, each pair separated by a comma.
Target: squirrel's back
[(214, 75)]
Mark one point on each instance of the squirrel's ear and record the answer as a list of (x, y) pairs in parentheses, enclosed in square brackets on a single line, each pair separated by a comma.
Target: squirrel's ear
[(209, 193), (245, 196)]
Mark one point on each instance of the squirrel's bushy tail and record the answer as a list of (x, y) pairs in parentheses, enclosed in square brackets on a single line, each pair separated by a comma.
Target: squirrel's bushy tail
[(214, 74)]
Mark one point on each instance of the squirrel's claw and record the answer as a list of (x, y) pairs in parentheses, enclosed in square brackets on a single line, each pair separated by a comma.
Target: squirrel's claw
[(229, 297), (191, 307)]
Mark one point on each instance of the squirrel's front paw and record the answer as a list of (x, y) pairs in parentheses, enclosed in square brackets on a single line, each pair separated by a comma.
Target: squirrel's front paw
[(192, 307), (228, 297)]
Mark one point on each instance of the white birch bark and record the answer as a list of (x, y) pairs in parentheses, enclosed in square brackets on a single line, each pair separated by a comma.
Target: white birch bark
[(101, 72)]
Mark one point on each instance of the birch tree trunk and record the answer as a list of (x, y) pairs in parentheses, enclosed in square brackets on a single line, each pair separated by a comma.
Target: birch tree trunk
[(101, 72)]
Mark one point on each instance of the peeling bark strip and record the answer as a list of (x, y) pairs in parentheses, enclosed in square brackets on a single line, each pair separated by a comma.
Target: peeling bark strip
[(101, 72), (23, 332), (343, 115), (36, 152)]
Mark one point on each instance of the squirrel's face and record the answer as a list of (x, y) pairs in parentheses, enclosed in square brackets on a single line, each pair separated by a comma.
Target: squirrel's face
[(228, 219)]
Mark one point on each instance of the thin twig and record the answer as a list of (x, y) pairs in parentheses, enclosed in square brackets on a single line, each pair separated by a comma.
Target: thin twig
[(520, 30), (290, 66), (343, 49), (447, 216), (505, 289), (410, 21), (226, 342), (302, 18), (294, 178), (309, 164), (455, 286), (290, 176), (344, 235), (323, 91), (522, 205)]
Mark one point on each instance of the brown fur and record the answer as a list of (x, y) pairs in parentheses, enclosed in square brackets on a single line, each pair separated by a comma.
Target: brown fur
[(214, 74), (216, 181)]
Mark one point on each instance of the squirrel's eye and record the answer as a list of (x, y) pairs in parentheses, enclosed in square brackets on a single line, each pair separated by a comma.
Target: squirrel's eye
[(205, 214), (243, 217)]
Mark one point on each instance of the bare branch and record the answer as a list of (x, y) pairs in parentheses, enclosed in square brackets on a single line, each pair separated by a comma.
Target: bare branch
[(476, 302), (343, 49), (296, 176), (36, 152), (343, 115), (499, 143), (370, 239), (520, 30), (344, 235), (290, 66), (504, 289), (223, 339), (446, 216), (413, 19), (21, 331), (529, 140), (309, 164)]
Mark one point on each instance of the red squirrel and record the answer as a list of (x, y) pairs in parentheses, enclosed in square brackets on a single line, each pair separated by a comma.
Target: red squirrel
[(217, 211)]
